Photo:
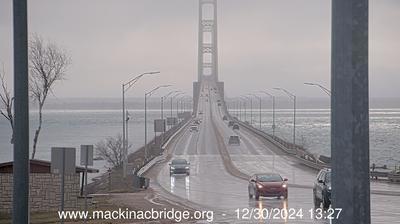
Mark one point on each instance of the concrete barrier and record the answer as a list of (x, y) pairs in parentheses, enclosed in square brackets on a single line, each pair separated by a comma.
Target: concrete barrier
[(306, 158), (163, 156)]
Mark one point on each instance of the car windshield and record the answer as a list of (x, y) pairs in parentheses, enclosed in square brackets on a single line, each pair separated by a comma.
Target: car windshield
[(328, 178), (179, 161), (234, 138), (269, 178)]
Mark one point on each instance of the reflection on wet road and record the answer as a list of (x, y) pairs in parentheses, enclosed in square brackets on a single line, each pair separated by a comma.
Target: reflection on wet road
[(211, 186)]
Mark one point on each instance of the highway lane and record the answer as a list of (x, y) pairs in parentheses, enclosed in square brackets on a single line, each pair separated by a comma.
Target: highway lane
[(211, 186), (385, 209)]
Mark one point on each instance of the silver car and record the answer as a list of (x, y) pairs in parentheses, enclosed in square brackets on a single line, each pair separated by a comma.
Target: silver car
[(179, 166)]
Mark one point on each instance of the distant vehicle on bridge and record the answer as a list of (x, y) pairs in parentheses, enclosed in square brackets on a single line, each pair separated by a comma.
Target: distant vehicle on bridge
[(197, 121), (179, 166), (235, 127), (194, 128), (267, 185), (234, 140), (322, 189), (231, 123), (225, 118)]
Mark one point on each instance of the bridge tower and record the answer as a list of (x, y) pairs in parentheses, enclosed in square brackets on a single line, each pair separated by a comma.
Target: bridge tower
[(208, 41), (207, 48)]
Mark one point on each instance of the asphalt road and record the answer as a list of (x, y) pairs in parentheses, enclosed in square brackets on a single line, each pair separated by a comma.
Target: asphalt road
[(211, 186)]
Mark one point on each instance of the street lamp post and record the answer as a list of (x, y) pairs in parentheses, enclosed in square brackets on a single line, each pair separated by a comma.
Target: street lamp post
[(293, 97), (181, 102), (251, 108), (146, 95), (260, 106), (162, 111), (163, 99), (273, 111), (172, 98), (323, 88), (127, 128), (125, 87), (245, 108), (240, 107)]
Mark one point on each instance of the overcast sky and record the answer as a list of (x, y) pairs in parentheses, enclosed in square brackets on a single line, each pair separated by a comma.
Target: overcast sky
[(262, 44)]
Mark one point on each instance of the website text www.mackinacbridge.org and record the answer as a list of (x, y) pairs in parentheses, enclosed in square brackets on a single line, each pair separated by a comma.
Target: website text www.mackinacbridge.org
[(138, 215)]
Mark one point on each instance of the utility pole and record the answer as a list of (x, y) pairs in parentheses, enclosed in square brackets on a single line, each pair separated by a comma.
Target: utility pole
[(293, 97), (273, 111), (260, 108), (350, 111), (125, 87), (147, 95), (21, 114)]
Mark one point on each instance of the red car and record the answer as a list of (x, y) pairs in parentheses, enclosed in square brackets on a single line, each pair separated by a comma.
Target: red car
[(267, 185)]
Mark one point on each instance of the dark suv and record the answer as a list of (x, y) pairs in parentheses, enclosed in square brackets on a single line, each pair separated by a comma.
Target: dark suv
[(322, 189)]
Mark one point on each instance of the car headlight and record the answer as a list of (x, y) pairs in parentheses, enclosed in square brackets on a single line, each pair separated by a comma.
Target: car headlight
[(172, 168), (284, 185), (187, 167), (259, 186), (329, 188)]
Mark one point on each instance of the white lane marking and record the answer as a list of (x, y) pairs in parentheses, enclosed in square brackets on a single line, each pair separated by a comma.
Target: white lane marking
[(151, 199), (188, 140), (253, 145)]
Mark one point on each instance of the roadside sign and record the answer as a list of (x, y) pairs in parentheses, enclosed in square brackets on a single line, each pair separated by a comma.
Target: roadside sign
[(172, 120), (159, 125), (184, 115), (63, 160), (87, 155)]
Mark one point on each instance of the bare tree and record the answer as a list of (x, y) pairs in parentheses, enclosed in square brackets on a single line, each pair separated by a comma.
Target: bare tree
[(47, 65), (7, 103), (111, 150)]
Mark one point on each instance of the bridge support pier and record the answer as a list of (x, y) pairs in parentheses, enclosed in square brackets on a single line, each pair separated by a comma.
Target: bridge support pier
[(350, 111), (196, 95)]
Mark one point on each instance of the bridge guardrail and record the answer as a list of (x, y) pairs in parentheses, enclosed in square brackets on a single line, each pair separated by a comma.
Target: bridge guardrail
[(163, 156), (306, 158)]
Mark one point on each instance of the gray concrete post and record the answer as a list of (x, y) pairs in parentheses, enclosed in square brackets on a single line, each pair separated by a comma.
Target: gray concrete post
[(350, 111), (20, 212)]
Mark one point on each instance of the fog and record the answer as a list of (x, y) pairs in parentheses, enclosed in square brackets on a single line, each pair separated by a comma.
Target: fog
[(262, 44)]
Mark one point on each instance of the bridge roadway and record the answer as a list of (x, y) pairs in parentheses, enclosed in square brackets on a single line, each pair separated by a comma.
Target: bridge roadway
[(211, 186)]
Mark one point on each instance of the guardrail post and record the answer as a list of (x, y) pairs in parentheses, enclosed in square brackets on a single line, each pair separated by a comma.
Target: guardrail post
[(350, 111)]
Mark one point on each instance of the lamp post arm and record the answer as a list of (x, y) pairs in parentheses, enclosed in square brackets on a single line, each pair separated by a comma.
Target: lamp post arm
[(132, 82), (323, 88)]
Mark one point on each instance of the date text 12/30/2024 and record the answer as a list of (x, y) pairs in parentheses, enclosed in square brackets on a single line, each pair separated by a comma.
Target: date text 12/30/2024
[(287, 213)]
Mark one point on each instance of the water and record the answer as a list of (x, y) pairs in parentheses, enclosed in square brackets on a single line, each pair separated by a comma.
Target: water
[(88, 121), (313, 131), (72, 128)]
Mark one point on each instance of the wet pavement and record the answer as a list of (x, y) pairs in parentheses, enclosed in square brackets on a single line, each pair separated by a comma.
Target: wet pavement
[(211, 186)]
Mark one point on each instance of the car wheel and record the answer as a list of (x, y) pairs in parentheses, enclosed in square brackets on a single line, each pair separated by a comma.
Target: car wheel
[(250, 195), (317, 202), (257, 196), (325, 203)]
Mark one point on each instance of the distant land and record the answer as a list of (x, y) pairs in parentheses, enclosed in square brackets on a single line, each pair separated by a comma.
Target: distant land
[(155, 102)]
